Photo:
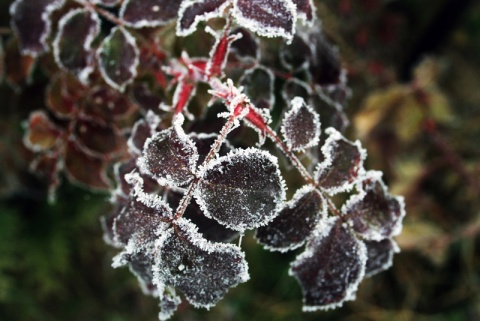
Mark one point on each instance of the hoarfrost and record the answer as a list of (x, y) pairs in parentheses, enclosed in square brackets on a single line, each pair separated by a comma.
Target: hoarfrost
[(380, 255), (192, 12), (301, 126), (149, 13)]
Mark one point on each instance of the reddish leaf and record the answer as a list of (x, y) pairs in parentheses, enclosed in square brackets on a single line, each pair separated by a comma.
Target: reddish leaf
[(72, 45), (31, 22), (374, 213), (330, 268), (42, 134), (107, 104), (342, 165), (203, 271), (118, 58), (242, 190), (148, 13), (268, 18), (18, 68), (192, 12), (295, 221), (301, 126), (63, 93), (85, 169), (98, 138)]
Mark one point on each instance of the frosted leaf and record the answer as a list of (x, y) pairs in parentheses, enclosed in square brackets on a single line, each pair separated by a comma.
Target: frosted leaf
[(301, 126), (202, 270), (342, 165), (209, 228), (192, 12), (374, 213), (42, 133), (331, 267), (325, 66), (258, 86), (184, 92), (268, 18), (246, 48), (139, 258), (170, 156), (148, 13), (219, 52), (297, 88), (98, 138), (142, 130), (106, 3), (242, 190), (169, 302), (331, 113), (123, 187), (72, 46), (31, 23), (85, 169), (295, 221), (305, 10), (295, 55), (204, 143), (143, 213), (118, 58), (107, 221), (379, 256)]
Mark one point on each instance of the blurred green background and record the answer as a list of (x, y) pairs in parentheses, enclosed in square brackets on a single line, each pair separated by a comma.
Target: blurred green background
[(414, 71)]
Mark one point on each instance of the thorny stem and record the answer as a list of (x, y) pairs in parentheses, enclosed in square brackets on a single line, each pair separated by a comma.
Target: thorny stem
[(213, 151)]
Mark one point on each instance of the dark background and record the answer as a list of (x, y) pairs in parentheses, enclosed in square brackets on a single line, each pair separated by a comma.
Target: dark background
[(54, 264)]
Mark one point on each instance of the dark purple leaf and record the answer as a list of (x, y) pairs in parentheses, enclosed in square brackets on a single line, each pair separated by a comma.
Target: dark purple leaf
[(374, 212), (331, 113), (325, 66), (168, 304), (194, 11), (118, 58), (296, 88), (242, 190), (258, 84), (85, 169), (203, 271), (301, 126), (72, 45), (123, 187), (379, 255), (119, 202), (170, 156), (149, 13), (142, 130), (245, 48), (295, 221), (18, 68), (209, 228), (31, 22), (145, 98), (142, 215), (331, 267), (268, 18), (295, 55), (342, 165)]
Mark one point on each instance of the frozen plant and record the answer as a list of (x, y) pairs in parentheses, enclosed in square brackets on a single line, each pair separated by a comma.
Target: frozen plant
[(190, 175)]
